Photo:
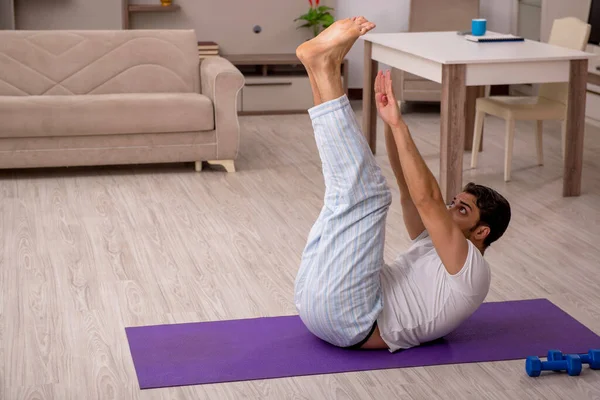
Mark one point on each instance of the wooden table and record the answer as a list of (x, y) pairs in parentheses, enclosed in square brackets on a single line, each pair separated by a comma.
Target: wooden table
[(462, 67)]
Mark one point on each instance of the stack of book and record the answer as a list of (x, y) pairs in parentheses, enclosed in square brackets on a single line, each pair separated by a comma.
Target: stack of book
[(208, 49)]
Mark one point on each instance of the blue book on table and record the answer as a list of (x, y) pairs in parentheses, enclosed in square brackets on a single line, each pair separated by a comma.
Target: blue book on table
[(494, 38)]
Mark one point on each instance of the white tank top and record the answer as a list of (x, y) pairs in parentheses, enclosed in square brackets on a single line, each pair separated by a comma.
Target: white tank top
[(422, 301)]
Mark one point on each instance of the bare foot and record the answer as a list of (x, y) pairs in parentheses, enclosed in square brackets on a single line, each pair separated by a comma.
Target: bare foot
[(331, 46)]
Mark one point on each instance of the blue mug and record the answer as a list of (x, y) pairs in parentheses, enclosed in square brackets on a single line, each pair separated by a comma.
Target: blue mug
[(478, 27)]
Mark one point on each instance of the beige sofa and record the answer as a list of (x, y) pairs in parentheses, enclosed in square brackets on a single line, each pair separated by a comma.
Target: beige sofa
[(72, 98)]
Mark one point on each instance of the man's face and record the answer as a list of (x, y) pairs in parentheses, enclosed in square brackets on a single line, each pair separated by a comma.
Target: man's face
[(464, 212)]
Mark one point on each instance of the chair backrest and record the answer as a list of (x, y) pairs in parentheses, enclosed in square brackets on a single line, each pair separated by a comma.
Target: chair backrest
[(442, 15), (572, 33)]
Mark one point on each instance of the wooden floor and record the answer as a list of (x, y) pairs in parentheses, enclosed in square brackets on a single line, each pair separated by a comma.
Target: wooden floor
[(86, 252)]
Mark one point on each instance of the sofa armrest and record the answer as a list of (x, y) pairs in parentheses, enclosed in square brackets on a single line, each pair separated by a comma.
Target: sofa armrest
[(221, 81)]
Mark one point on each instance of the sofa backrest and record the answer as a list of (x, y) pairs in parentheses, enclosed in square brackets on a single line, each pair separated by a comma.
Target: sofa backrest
[(98, 62)]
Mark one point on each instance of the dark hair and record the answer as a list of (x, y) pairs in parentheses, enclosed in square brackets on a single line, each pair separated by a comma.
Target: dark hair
[(494, 210)]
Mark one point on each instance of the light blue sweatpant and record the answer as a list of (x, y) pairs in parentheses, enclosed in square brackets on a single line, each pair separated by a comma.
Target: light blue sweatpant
[(337, 290)]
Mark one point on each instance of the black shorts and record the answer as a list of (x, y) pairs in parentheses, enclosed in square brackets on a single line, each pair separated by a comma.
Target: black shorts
[(360, 344)]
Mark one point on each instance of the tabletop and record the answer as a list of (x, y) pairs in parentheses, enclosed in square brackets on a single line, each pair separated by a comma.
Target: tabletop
[(451, 48)]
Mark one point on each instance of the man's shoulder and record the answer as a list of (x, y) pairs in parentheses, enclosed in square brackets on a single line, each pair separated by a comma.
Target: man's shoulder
[(475, 276), (423, 244), (475, 259), (476, 256)]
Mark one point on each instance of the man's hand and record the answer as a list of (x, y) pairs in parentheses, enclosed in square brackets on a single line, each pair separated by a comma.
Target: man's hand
[(386, 102)]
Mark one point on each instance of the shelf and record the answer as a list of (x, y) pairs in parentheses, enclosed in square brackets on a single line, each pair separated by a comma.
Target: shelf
[(532, 3), (153, 8), (270, 64), (127, 9), (254, 59), (275, 83)]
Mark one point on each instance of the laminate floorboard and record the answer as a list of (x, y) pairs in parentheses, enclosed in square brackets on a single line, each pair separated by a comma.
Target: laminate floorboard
[(86, 252)]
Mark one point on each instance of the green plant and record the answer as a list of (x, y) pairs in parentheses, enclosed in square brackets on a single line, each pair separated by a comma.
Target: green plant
[(317, 18)]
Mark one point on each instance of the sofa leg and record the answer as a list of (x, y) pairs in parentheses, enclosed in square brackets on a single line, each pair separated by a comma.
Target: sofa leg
[(198, 166), (227, 164)]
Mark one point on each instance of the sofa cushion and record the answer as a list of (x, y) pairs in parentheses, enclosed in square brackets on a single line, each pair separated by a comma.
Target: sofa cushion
[(106, 114), (98, 62)]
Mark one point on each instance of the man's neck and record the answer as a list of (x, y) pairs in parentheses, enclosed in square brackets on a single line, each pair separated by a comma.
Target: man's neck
[(479, 247)]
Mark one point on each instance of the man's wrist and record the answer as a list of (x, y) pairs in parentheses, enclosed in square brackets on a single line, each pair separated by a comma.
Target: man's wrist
[(399, 126)]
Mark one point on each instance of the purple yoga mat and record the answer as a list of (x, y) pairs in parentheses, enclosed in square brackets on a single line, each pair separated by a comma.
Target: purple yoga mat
[(276, 347)]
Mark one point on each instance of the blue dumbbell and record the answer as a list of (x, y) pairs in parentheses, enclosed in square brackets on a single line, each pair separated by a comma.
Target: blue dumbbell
[(592, 357), (555, 355), (572, 364)]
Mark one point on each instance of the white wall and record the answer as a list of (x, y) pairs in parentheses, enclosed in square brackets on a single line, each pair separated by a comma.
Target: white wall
[(553, 9), (503, 15), (499, 14), (392, 16), (389, 15), (230, 23), (227, 22), (71, 14)]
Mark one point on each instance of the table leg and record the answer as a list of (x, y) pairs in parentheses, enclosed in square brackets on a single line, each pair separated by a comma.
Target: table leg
[(575, 128), (452, 126), (369, 114), (473, 92)]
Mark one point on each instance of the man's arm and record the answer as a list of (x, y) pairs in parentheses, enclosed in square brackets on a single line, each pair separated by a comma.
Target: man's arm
[(412, 219), (448, 239)]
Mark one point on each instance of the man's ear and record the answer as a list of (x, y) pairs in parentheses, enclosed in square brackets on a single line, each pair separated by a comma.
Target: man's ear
[(481, 232)]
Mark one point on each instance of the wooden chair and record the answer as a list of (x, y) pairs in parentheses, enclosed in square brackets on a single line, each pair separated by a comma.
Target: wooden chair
[(549, 104), (431, 16)]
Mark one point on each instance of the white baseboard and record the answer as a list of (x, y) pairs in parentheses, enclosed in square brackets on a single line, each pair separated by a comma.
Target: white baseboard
[(592, 122)]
